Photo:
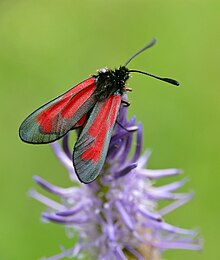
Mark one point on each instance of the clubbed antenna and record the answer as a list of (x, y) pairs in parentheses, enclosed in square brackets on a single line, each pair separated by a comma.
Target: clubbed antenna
[(150, 44), (168, 80)]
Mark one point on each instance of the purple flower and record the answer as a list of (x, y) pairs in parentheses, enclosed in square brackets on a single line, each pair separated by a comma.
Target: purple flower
[(117, 216)]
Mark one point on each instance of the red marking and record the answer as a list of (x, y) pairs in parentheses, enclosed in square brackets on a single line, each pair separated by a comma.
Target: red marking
[(66, 106), (114, 110), (45, 118), (81, 122), (79, 87), (100, 118), (100, 127), (94, 152), (75, 102)]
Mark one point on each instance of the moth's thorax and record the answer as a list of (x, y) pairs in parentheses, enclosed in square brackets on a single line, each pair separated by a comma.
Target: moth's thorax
[(110, 82)]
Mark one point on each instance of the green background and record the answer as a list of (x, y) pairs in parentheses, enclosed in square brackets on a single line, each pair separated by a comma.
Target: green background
[(48, 46)]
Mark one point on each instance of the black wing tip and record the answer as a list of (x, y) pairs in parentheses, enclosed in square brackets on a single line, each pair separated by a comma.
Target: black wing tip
[(86, 180), (26, 139), (79, 176), (22, 134)]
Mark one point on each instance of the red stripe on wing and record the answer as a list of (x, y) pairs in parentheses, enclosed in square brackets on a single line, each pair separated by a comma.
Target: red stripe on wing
[(54, 119), (92, 145), (101, 125), (81, 122), (65, 108), (74, 103), (84, 84)]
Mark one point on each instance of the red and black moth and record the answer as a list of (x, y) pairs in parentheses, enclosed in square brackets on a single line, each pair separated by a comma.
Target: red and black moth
[(91, 106)]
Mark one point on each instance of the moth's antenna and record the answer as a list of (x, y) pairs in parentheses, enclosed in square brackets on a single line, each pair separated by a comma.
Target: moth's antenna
[(150, 44), (168, 80), (141, 50)]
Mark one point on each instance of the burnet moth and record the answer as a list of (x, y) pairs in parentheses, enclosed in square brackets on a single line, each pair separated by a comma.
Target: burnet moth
[(91, 106)]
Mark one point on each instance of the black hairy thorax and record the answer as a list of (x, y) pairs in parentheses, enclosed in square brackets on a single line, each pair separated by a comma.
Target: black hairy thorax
[(110, 82)]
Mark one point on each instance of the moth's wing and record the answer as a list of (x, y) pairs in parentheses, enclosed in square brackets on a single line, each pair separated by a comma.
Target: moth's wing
[(54, 119), (92, 145)]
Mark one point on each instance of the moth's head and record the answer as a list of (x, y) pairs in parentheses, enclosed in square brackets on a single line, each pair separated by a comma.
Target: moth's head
[(118, 76), (122, 74)]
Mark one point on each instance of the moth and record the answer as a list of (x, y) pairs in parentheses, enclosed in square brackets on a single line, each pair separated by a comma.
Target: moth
[(91, 106)]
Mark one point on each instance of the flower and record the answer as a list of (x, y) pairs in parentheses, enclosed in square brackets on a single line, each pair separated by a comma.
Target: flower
[(117, 215)]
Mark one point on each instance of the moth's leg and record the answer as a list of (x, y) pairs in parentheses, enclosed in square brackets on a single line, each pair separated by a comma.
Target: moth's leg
[(125, 103), (128, 129)]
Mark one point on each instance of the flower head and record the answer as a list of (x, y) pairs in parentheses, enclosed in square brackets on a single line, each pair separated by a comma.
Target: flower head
[(117, 215)]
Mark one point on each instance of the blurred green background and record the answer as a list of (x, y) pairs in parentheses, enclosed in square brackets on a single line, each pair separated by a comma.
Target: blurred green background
[(48, 46)]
